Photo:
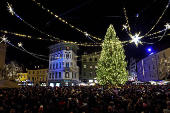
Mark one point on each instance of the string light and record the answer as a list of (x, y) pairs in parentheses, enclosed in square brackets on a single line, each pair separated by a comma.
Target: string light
[(40, 38), (64, 21), (26, 51), (158, 19), (167, 26), (13, 13)]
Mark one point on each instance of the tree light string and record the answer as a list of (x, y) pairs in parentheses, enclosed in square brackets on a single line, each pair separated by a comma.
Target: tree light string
[(70, 11), (64, 21), (13, 13)]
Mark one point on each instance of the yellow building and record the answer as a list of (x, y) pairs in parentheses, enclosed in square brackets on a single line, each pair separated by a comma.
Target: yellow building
[(38, 77)]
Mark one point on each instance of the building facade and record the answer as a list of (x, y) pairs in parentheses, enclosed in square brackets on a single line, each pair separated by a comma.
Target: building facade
[(89, 67), (37, 77), (22, 78), (148, 69), (63, 69), (2, 54), (132, 70)]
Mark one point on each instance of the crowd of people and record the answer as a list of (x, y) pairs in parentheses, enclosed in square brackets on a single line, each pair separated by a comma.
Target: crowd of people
[(92, 99)]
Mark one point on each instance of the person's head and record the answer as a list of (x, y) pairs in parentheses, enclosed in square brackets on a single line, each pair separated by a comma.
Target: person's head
[(168, 105)]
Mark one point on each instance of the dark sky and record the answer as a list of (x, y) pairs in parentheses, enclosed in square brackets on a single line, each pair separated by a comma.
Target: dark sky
[(94, 18)]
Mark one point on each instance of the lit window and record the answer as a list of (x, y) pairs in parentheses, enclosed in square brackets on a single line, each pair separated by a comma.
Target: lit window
[(90, 80), (67, 55), (67, 48), (67, 75), (95, 66), (90, 66), (84, 66), (152, 58), (90, 73)]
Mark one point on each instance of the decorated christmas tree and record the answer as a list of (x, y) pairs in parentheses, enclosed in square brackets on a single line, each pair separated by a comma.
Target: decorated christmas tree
[(112, 65)]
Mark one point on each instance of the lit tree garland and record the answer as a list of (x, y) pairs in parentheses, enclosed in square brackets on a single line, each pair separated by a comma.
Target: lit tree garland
[(112, 66)]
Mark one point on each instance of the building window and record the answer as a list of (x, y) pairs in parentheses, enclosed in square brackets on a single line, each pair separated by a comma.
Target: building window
[(60, 56), (84, 66), (67, 75), (95, 74), (90, 80), (67, 48), (164, 55), (153, 66), (43, 71), (50, 66), (59, 74), (52, 75), (72, 75), (53, 57), (90, 67), (49, 75), (60, 65), (95, 59), (29, 72), (40, 78), (75, 75), (57, 57), (60, 48), (53, 66), (84, 59), (32, 78), (90, 73), (67, 55), (56, 65), (67, 65), (56, 75), (33, 72), (96, 67), (149, 67), (84, 73), (90, 59), (84, 80), (152, 58)]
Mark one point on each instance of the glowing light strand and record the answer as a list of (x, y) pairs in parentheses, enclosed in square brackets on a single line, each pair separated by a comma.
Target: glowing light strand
[(64, 21), (21, 45), (158, 19), (39, 38), (4, 39), (70, 11), (26, 52), (14, 13)]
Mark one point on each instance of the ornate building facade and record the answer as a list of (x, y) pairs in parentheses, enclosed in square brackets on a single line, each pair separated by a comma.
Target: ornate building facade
[(63, 69)]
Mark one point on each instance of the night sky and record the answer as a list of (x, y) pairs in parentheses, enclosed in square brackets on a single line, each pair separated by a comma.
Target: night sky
[(94, 17)]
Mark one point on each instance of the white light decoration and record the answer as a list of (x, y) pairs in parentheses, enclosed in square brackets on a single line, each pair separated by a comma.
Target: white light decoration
[(136, 39), (167, 26), (4, 39), (86, 34), (125, 27), (20, 44), (10, 8)]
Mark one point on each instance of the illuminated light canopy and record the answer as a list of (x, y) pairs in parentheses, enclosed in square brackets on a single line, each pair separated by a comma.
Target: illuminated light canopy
[(10, 8), (136, 39), (167, 26)]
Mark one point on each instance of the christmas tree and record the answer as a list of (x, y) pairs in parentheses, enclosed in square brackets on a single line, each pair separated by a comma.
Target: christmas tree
[(112, 66)]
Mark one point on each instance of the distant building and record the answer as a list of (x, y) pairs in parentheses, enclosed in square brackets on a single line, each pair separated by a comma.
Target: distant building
[(2, 54), (37, 77), (149, 68), (89, 67), (63, 69), (132, 70)]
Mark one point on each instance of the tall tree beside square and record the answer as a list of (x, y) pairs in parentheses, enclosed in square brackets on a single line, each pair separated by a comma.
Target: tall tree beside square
[(112, 65)]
